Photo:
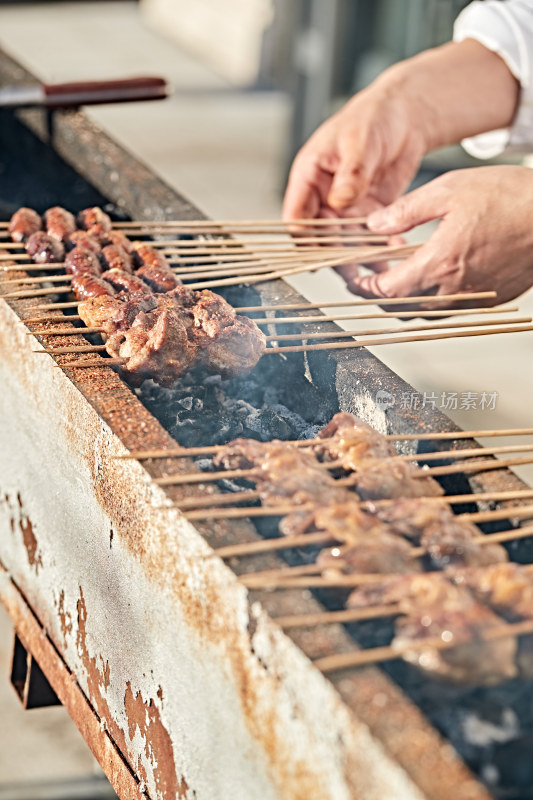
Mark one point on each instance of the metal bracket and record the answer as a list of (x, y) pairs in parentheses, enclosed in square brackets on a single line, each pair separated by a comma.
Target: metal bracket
[(29, 681)]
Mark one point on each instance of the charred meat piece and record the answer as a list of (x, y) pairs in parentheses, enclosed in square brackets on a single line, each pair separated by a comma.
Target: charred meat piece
[(45, 249), (83, 241), (369, 546), (448, 539), (243, 453), (154, 268), (439, 609), (124, 281), (367, 453), (82, 262), (23, 224), (114, 257), (100, 311), (388, 479), (235, 350), (158, 279), (132, 305), (155, 346), (59, 223), (508, 590), (284, 474), (352, 441), (85, 286), (94, 220), (117, 238), (432, 607)]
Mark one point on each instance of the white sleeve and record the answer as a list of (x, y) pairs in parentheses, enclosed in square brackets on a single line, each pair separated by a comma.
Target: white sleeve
[(506, 28)]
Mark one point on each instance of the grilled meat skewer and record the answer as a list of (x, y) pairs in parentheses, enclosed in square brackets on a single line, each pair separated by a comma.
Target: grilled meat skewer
[(459, 602), (23, 224), (59, 223), (366, 452)]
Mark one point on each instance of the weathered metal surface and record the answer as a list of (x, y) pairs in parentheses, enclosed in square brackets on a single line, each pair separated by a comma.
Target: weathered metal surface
[(200, 692), (158, 633), (36, 641)]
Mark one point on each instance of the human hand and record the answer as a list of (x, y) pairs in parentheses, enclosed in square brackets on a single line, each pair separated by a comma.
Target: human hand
[(365, 156), (359, 160), (483, 242)]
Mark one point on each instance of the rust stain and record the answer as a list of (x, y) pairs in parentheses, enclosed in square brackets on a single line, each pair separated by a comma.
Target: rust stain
[(98, 679), (29, 538), (65, 618), (145, 716)]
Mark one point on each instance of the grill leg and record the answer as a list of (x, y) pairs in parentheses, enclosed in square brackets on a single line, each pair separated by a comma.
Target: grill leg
[(30, 683)]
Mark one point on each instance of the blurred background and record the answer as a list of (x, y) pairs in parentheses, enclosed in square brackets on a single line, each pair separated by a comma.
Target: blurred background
[(252, 79)]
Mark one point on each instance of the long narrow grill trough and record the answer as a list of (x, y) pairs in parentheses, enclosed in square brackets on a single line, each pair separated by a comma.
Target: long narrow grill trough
[(176, 675)]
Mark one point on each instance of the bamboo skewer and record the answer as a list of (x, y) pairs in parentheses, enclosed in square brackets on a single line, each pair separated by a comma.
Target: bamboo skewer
[(377, 655), (275, 223), (189, 452), (426, 337), (339, 346), (370, 255), (251, 512), (284, 578), (382, 301), (343, 334), (108, 362), (178, 479), (280, 320), (336, 617), (397, 329), (396, 301), (245, 549), (217, 501)]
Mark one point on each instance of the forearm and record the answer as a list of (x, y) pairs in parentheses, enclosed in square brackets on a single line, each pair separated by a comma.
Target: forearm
[(455, 91)]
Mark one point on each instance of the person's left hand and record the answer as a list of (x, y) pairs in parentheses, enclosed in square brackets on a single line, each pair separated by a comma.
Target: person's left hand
[(484, 240)]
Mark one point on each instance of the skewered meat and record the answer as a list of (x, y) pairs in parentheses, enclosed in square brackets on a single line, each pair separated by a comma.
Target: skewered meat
[(100, 311), (448, 539), (159, 279), (117, 238), (433, 607), (389, 479), (95, 221), (23, 224), (156, 344), (508, 590), (83, 241), (113, 256), (352, 441), (45, 249), (59, 223), (366, 452), (235, 350), (370, 547), (154, 268), (284, 474), (82, 262), (124, 282), (86, 286)]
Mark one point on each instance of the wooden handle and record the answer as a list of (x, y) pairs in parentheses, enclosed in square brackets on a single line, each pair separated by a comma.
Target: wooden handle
[(63, 95)]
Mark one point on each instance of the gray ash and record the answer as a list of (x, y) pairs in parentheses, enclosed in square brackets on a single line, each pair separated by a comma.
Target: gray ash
[(203, 411)]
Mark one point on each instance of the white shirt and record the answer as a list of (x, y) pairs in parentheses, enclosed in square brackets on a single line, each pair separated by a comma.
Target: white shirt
[(506, 28)]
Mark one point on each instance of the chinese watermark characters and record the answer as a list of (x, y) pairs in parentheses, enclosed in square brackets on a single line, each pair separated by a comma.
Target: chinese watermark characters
[(444, 401)]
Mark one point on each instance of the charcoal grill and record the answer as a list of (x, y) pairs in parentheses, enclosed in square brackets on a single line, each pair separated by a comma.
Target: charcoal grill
[(178, 679)]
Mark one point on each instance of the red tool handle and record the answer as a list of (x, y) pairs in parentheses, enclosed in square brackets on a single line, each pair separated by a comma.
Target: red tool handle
[(62, 95)]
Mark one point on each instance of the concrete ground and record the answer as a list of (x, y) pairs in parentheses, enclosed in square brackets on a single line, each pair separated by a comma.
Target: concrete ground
[(223, 149)]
